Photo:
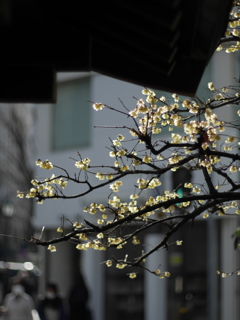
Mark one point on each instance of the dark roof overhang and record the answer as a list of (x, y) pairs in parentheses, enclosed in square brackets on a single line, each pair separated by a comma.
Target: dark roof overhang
[(164, 44)]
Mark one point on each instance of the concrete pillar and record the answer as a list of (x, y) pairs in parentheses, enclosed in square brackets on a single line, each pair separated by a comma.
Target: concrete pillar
[(155, 289)]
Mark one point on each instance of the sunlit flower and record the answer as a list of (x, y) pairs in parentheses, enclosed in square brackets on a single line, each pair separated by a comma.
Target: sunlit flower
[(175, 159), (219, 48), (233, 169), (52, 248), (82, 164), (193, 110), (82, 236), (116, 143), (211, 86), (136, 240), (124, 168), (44, 164), (20, 194), (175, 97), (219, 96), (80, 246), (121, 153), (38, 162), (121, 265), (98, 106), (102, 207), (186, 204), (120, 137), (34, 182), (205, 145), (151, 99), (230, 139), (115, 186), (147, 159), (100, 235), (112, 154), (208, 114), (108, 263), (196, 190), (232, 49), (134, 113), (92, 210), (143, 109), (156, 130), (225, 148), (179, 242), (116, 164), (100, 176), (77, 225), (154, 183), (188, 185), (163, 99), (148, 92), (136, 162), (142, 183), (176, 138), (221, 129)]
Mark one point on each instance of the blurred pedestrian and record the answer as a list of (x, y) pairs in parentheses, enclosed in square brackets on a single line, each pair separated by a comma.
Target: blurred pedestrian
[(52, 307), (17, 305)]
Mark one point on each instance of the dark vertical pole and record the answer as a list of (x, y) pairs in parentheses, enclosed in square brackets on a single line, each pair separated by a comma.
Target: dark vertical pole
[(212, 260)]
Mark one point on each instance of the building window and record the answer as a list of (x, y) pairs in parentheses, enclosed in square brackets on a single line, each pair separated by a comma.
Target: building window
[(71, 115)]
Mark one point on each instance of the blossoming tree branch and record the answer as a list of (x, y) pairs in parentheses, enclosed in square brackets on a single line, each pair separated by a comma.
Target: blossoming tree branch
[(202, 146), (197, 141)]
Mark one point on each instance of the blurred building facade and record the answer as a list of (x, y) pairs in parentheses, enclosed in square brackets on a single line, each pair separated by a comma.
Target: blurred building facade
[(194, 291), (16, 170)]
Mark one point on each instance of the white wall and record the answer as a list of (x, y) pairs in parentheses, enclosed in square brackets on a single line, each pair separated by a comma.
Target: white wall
[(155, 302)]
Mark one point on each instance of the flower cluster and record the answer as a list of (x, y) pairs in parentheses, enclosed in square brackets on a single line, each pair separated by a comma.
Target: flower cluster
[(83, 164), (232, 33), (44, 164)]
